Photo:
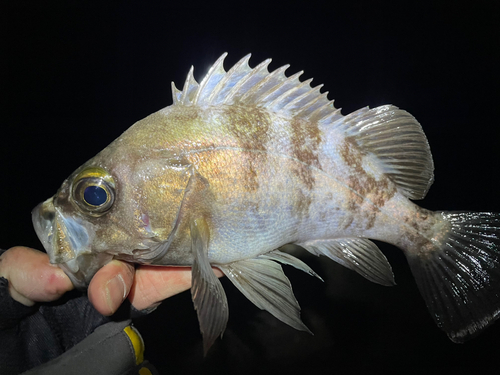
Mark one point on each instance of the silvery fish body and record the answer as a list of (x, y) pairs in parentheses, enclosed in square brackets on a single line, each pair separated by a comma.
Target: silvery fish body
[(250, 160)]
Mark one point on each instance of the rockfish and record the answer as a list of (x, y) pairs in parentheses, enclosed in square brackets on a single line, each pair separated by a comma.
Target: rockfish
[(248, 161)]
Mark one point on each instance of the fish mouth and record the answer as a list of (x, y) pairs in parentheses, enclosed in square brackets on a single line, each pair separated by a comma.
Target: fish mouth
[(67, 241), (43, 217)]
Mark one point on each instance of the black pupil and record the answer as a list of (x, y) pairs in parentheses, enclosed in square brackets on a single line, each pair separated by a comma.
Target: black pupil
[(95, 195)]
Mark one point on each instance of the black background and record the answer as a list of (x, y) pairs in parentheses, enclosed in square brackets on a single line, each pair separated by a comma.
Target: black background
[(74, 75)]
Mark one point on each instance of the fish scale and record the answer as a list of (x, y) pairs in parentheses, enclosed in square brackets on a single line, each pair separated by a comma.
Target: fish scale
[(247, 161)]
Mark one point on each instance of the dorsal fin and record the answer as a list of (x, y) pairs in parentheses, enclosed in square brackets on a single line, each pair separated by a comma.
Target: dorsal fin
[(256, 87), (398, 143)]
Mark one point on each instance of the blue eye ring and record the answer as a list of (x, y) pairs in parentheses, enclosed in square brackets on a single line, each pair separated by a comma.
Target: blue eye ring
[(93, 195)]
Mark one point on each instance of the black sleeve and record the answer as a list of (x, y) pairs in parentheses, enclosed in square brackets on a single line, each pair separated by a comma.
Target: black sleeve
[(30, 336)]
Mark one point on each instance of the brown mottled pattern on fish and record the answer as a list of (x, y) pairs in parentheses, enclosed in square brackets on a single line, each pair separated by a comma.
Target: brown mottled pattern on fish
[(247, 161), (305, 140), (250, 126), (363, 185)]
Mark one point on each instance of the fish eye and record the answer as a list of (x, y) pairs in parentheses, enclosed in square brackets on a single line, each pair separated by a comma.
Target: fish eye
[(93, 191)]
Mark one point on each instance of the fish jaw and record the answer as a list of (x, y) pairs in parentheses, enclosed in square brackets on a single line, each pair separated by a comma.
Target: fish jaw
[(67, 240)]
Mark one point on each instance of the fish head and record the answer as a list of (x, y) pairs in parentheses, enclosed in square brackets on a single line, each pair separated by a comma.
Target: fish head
[(111, 208)]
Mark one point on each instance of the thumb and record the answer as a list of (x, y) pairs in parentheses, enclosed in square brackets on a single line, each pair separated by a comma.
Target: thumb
[(110, 286), (31, 276)]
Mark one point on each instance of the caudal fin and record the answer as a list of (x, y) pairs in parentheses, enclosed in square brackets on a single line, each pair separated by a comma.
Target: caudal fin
[(460, 281)]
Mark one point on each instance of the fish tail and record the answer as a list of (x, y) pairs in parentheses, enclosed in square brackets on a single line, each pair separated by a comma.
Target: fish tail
[(459, 275)]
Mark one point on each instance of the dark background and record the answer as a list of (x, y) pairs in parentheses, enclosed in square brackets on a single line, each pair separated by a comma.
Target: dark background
[(75, 75)]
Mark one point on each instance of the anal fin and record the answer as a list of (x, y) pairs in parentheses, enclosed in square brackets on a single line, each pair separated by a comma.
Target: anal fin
[(358, 254), (290, 260), (208, 295)]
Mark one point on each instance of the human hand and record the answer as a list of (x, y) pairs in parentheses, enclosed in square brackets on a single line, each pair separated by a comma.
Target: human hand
[(33, 279), (145, 286)]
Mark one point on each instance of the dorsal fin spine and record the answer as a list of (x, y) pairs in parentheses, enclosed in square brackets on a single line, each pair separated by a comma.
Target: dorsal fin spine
[(276, 90), (189, 86), (240, 84), (323, 108), (313, 105), (331, 117), (296, 103), (286, 86), (241, 68), (214, 73), (176, 94), (260, 87), (264, 87), (257, 74)]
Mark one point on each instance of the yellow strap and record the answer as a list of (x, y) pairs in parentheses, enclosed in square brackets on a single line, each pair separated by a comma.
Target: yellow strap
[(137, 343)]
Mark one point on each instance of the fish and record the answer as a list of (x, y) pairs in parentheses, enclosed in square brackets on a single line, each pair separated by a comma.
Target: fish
[(250, 160)]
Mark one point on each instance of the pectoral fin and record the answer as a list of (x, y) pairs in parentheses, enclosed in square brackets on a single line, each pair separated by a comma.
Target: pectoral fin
[(358, 254), (208, 295), (263, 282)]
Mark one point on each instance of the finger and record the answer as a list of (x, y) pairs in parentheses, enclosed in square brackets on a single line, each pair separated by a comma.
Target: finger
[(110, 286), (31, 276), (154, 284)]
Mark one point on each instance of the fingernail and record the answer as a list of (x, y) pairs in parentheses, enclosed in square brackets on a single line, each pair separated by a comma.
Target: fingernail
[(116, 291)]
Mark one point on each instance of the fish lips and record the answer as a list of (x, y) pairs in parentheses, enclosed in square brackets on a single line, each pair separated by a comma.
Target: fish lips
[(67, 240), (43, 221)]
